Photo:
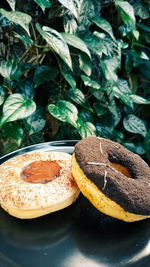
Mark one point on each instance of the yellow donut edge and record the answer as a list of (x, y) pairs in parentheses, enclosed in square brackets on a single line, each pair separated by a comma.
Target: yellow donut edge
[(98, 199), (34, 213)]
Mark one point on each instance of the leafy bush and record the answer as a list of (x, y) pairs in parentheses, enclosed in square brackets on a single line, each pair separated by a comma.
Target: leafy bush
[(73, 68)]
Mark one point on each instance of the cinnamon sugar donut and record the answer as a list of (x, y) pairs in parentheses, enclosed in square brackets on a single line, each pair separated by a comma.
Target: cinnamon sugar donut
[(115, 180), (37, 183)]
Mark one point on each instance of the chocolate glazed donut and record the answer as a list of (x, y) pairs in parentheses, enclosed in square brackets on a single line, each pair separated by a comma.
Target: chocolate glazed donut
[(114, 179)]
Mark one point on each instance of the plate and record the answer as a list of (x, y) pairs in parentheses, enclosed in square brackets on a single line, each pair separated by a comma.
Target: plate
[(77, 236)]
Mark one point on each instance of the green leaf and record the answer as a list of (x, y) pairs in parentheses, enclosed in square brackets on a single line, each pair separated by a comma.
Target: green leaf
[(70, 23), (138, 148), (18, 17), (44, 73), (2, 95), (99, 109), (10, 69), (140, 54), (112, 49), (88, 82), (88, 107), (12, 4), (14, 131), (147, 144), (70, 79), (85, 64), (16, 107), (43, 3), (123, 96), (104, 25), (77, 96), (64, 111), (76, 42), (111, 120), (87, 129), (35, 122), (86, 115), (127, 13), (135, 125), (139, 100), (112, 106), (109, 67), (26, 89), (25, 39), (79, 122), (69, 4), (86, 11), (123, 86), (123, 44), (136, 34), (4, 22), (143, 27), (141, 10), (94, 43), (98, 94), (104, 130), (56, 42), (117, 135), (139, 45)]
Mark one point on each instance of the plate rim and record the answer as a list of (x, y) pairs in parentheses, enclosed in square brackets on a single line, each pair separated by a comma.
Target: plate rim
[(38, 145)]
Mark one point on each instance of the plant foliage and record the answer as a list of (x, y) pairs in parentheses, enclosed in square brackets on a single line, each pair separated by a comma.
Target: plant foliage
[(74, 68)]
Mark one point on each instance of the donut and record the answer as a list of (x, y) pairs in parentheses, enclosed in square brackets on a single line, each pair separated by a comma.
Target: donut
[(115, 180), (37, 183)]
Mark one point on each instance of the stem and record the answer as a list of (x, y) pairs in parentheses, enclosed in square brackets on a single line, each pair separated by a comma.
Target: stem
[(24, 55), (8, 87), (8, 50), (35, 38)]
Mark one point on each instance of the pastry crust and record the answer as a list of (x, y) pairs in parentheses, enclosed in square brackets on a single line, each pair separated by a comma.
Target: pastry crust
[(30, 200), (113, 192)]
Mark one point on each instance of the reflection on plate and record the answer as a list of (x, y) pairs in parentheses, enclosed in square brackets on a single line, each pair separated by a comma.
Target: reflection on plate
[(111, 241), (35, 233), (77, 236)]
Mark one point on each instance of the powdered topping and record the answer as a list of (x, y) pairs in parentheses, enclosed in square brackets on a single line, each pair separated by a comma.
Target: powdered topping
[(16, 192)]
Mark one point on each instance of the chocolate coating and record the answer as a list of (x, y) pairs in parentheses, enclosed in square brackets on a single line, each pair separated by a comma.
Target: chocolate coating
[(132, 194)]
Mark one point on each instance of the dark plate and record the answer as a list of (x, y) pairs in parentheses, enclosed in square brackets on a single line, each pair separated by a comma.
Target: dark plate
[(78, 236)]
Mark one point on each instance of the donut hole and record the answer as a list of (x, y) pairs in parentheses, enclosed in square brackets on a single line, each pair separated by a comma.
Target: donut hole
[(118, 166)]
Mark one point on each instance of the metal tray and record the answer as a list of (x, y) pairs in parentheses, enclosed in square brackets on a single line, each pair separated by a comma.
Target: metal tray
[(78, 236)]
